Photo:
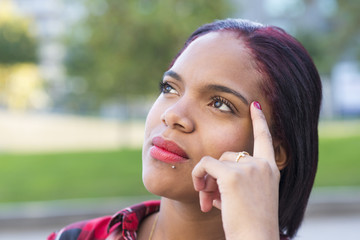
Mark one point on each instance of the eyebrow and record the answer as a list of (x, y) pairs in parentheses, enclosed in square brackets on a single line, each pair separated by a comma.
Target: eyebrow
[(173, 75), (221, 88), (213, 87)]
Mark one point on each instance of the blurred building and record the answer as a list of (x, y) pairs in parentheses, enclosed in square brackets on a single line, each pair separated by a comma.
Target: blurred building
[(50, 21), (21, 84), (49, 26), (346, 88)]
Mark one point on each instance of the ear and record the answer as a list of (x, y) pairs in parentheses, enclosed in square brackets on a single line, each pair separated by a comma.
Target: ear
[(280, 155)]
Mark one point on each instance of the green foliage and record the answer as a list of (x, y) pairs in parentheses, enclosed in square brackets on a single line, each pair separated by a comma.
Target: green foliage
[(122, 48), (16, 45)]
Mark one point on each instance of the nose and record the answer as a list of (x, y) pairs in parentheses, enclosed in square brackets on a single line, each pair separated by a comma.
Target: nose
[(178, 117)]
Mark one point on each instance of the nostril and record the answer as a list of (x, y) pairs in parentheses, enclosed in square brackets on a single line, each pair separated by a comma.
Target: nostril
[(177, 118), (164, 121)]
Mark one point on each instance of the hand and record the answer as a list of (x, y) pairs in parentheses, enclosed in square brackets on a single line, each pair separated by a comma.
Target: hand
[(247, 191)]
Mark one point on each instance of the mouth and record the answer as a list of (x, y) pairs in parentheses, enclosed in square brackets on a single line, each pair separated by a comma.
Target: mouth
[(167, 151)]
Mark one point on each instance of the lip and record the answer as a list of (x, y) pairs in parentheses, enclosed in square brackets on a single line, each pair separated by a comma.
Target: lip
[(167, 151)]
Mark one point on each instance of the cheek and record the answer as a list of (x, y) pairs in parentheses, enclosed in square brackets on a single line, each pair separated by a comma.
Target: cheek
[(153, 118), (232, 137)]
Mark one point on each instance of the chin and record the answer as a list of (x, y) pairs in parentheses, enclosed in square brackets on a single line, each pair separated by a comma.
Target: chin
[(164, 183), (151, 177), (149, 181), (153, 180)]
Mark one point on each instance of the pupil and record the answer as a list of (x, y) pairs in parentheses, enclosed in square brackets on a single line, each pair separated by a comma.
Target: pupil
[(217, 104)]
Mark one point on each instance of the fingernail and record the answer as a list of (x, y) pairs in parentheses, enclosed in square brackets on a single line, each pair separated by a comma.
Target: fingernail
[(257, 105)]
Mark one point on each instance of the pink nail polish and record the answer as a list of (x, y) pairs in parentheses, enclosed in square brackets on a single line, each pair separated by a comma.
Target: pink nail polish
[(257, 105)]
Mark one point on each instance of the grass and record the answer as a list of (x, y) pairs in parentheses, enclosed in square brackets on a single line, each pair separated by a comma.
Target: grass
[(34, 177), (339, 154), (339, 162), (37, 177)]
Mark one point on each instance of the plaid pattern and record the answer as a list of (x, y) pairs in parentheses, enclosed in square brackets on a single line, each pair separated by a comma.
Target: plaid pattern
[(123, 225)]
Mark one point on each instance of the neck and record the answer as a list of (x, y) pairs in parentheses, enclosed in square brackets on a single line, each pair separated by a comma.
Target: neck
[(179, 220)]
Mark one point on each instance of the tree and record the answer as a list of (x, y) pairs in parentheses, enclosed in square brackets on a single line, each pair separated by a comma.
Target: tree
[(16, 43), (20, 81), (121, 48), (337, 39)]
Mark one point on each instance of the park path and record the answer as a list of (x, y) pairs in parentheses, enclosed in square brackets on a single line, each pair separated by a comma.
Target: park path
[(26, 132)]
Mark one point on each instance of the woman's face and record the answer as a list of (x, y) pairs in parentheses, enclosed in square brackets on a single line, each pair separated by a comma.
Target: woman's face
[(203, 110)]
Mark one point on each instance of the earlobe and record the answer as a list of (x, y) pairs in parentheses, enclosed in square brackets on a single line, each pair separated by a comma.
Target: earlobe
[(280, 156)]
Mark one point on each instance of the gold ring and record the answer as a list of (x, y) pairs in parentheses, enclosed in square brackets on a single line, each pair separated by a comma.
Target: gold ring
[(241, 154)]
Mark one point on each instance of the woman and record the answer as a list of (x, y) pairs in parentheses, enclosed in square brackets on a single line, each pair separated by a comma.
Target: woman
[(231, 143)]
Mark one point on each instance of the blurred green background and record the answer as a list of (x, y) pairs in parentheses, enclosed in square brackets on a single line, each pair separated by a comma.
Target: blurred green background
[(96, 174), (77, 78)]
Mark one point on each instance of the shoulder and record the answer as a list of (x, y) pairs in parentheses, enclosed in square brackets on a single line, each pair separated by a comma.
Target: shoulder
[(123, 222), (88, 229)]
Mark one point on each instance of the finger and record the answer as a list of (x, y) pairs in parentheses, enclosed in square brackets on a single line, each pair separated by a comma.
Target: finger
[(205, 201), (229, 156), (217, 203), (235, 157), (208, 200), (210, 184), (263, 146), (208, 194), (205, 183), (207, 165)]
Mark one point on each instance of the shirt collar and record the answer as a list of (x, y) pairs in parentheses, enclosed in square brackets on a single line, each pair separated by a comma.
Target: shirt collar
[(129, 218)]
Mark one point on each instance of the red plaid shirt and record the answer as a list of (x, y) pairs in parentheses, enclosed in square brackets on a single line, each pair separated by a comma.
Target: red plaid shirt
[(122, 226)]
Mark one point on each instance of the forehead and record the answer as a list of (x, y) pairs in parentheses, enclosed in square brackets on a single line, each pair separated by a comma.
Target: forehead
[(220, 57), (218, 52)]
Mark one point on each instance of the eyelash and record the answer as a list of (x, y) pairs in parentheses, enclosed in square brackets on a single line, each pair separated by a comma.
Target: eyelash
[(223, 101), (164, 85)]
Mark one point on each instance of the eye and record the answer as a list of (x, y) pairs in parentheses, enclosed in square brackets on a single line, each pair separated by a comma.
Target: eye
[(167, 88), (222, 104)]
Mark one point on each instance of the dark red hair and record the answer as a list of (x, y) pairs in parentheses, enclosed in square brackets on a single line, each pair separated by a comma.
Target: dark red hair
[(292, 87)]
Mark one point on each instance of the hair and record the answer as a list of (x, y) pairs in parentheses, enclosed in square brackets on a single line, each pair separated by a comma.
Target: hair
[(292, 87)]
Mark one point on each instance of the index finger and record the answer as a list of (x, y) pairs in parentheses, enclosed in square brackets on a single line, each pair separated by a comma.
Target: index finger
[(263, 146)]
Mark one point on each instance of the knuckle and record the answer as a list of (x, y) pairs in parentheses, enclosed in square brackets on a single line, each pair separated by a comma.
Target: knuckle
[(203, 161), (258, 166), (225, 155), (250, 170), (266, 168), (264, 165), (233, 177)]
